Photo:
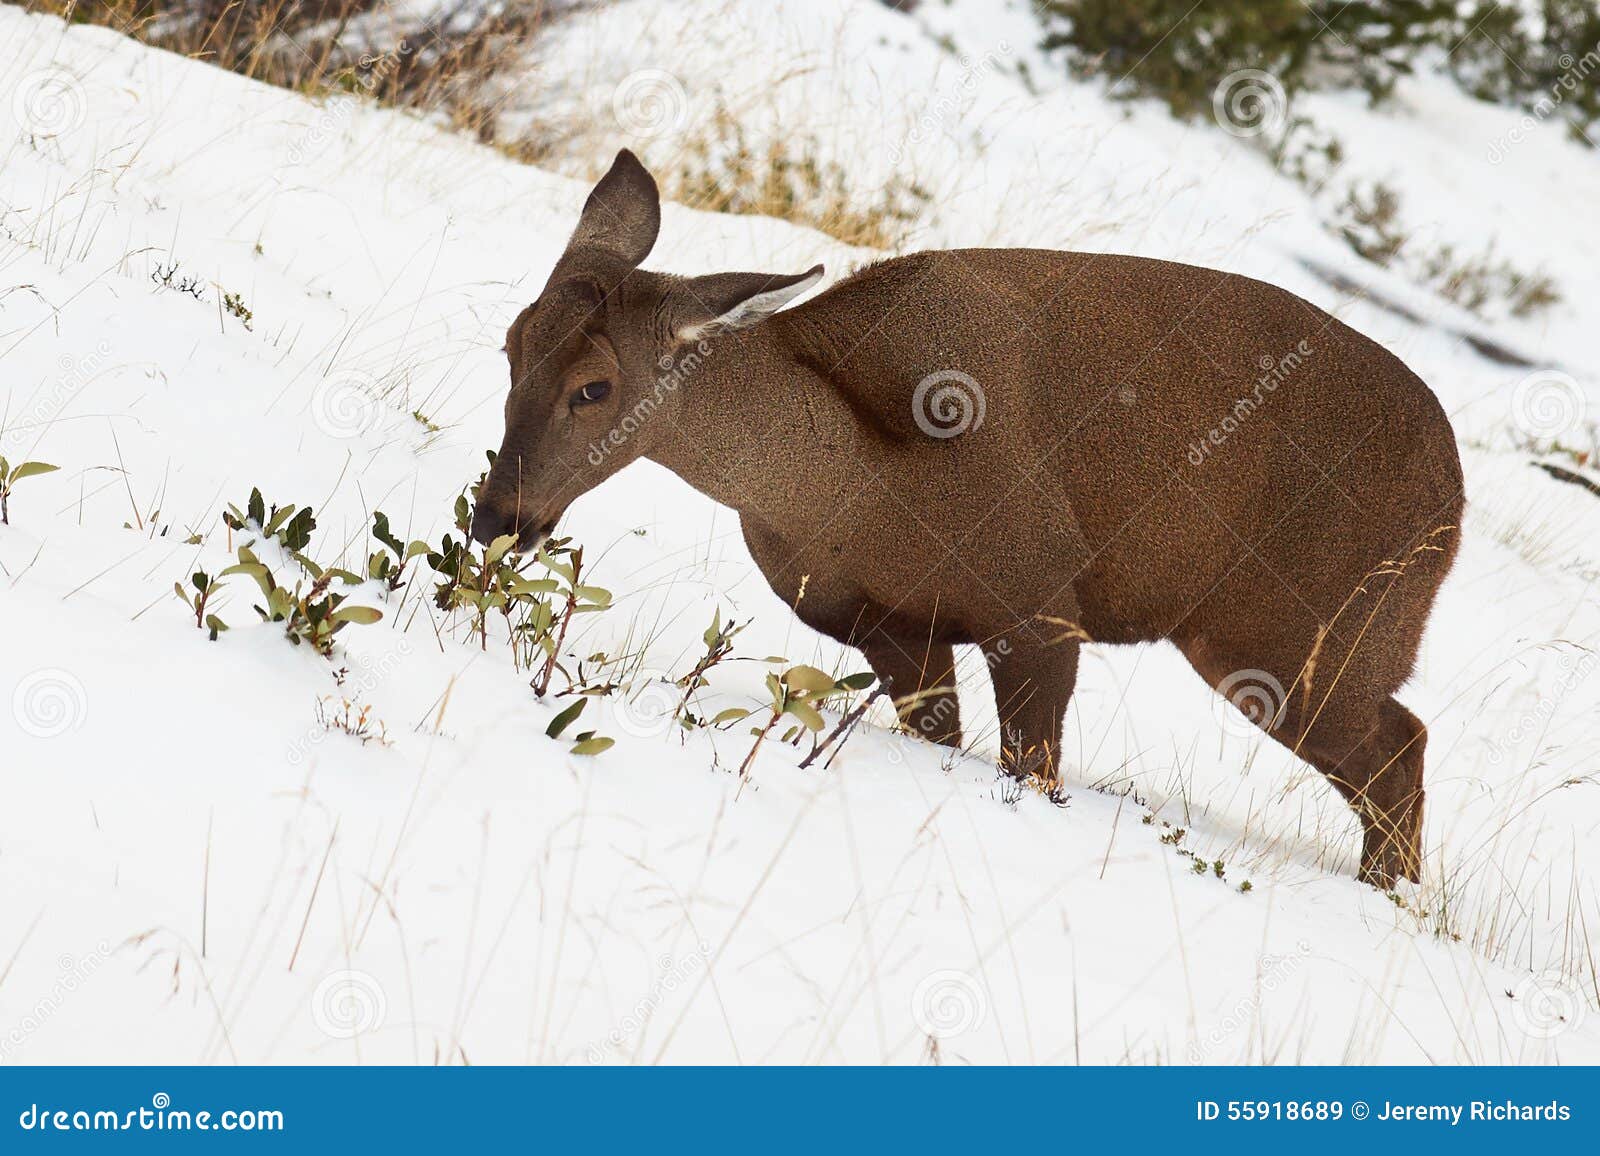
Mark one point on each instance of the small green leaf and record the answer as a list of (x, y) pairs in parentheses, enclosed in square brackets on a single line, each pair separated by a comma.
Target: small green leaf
[(565, 719), (361, 615), (858, 681), (498, 548), (598, 595), (732, 714), (593, 746), (808, 679), (255, 570), (554, 566), (30, 469), (805, 712), (524, 587)]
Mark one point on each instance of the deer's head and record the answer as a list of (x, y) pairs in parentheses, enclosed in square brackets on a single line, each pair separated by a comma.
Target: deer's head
[(590, 357)]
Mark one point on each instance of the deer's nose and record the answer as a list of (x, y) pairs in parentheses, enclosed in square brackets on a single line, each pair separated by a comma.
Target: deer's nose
[(489, 523)]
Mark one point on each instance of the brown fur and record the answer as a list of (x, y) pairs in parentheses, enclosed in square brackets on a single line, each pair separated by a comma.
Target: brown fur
[(1302, 547)]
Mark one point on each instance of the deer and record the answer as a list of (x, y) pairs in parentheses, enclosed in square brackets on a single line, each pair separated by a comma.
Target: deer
[(1022, 450)]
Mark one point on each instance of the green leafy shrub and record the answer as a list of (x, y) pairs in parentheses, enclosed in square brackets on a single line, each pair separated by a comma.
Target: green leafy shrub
[(537, 608), (388, 565), (797, 693), (1179, 52), (1549, 65), (313, 615), (205, 586), (289, 525)]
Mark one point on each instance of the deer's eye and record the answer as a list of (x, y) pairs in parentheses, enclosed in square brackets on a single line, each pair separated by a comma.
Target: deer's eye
[(591, 393)]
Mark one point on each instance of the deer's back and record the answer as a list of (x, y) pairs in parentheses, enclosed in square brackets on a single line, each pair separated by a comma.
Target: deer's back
[(1194, 421)]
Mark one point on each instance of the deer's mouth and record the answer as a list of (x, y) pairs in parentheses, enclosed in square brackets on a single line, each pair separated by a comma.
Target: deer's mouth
[(530, 537)]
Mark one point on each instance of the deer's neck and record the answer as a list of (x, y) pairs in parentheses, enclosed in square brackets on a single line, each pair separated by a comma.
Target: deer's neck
[(756, 430)]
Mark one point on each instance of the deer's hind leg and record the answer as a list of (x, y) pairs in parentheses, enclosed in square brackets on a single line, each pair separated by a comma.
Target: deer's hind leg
[(1337, 714)]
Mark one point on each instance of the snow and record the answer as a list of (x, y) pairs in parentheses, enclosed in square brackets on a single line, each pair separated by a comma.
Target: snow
[(192, 869)]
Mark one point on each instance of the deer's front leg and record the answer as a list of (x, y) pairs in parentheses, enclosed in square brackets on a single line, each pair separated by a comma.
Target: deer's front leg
[(921, 680)]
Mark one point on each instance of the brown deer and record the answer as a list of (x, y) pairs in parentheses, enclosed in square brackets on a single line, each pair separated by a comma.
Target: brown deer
[(1022, 450)]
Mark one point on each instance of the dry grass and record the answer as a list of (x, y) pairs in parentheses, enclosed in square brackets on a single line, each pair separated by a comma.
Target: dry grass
[(320, 47), (720, 171)]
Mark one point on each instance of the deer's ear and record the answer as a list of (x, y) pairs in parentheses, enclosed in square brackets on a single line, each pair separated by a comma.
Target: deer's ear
[(623, 213), (719, 302)]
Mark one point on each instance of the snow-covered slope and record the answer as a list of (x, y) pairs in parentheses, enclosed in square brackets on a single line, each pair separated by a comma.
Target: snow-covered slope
[(193, 868)]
